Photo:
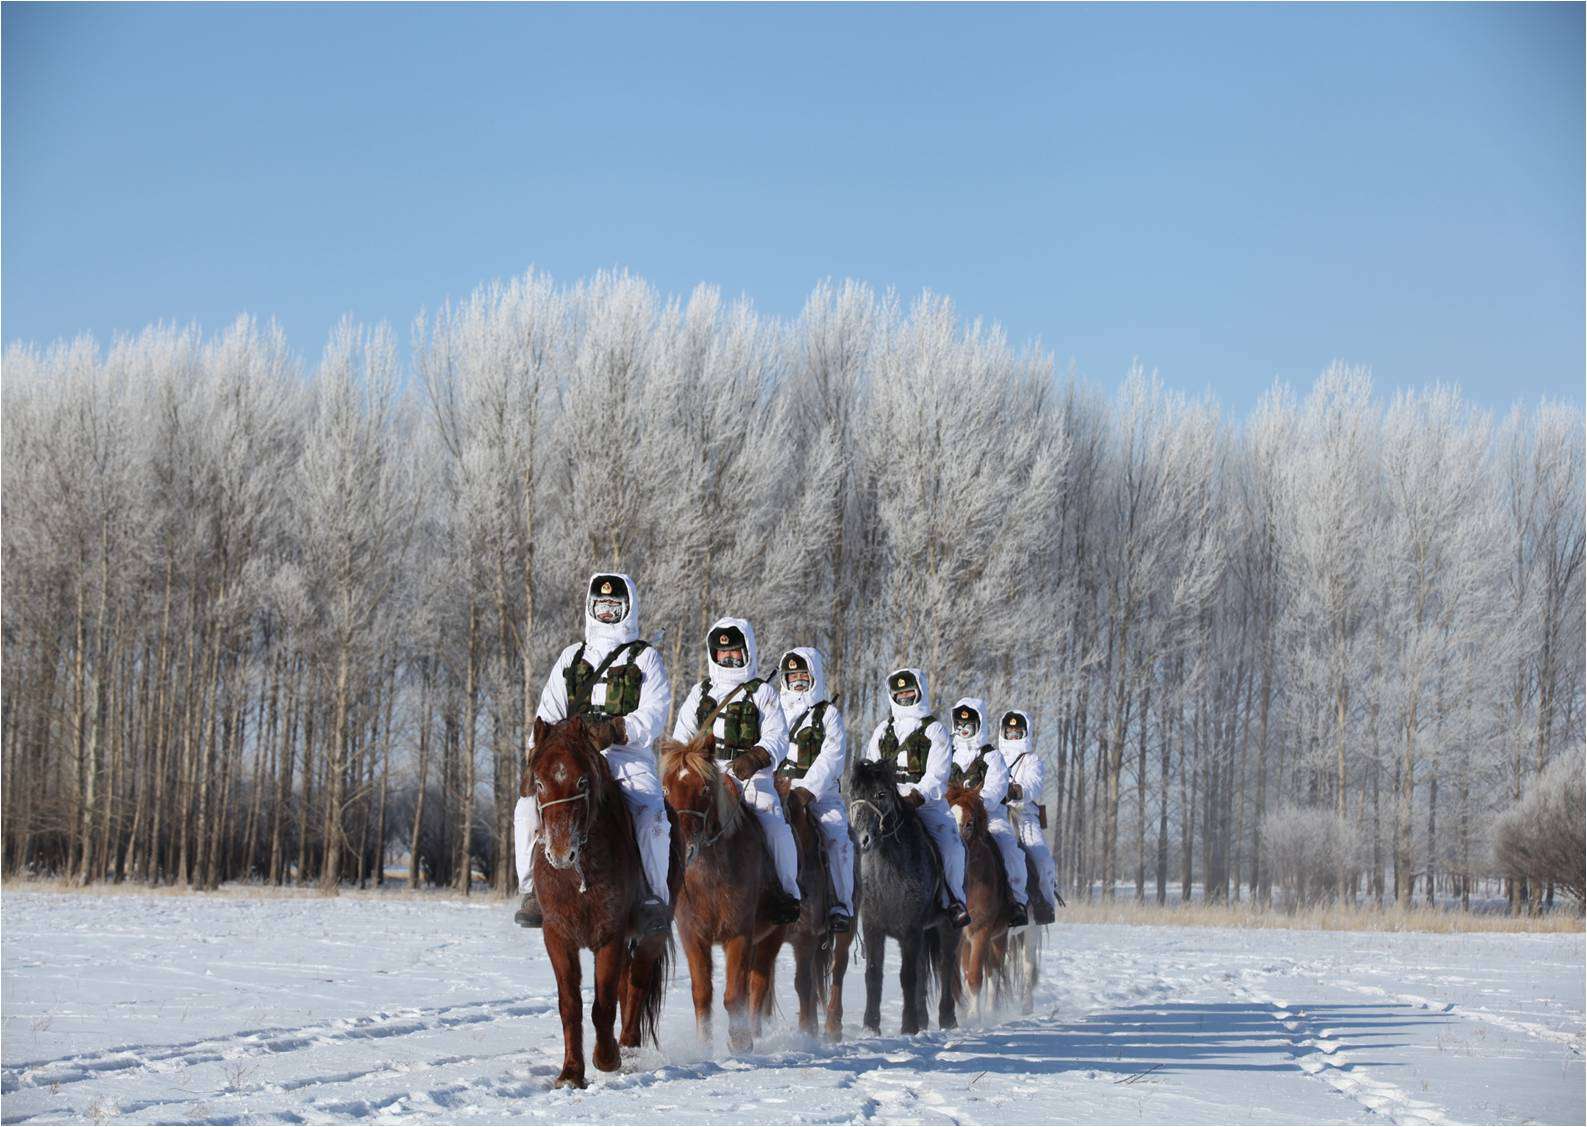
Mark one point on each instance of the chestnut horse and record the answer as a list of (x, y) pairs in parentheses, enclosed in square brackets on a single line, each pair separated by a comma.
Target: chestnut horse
[(589, 879), (985, 942), (820, 957), (727, 879)]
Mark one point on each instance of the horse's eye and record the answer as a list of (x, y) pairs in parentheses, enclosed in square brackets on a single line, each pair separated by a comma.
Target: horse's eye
[(584, 782)]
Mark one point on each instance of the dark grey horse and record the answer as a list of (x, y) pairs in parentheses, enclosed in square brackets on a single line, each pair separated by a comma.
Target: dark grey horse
[(898, 898)]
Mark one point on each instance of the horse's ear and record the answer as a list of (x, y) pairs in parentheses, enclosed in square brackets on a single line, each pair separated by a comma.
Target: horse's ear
[(540, 730)]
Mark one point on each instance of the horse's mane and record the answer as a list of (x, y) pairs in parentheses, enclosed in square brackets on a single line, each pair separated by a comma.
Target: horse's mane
[(969, 800), (573, 737), (678, 757), (875, 771)]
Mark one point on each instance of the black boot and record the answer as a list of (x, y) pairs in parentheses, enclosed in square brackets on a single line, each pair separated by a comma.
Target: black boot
[(1017, 916), (784, 908), (958, 915), (842, 922), (653, 917), (528, 913)]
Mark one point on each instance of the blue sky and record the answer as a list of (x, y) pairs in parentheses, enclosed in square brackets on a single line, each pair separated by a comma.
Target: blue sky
[(1228, 194)]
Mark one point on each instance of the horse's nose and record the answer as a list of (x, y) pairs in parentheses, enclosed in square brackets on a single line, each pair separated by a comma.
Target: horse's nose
[(865, 842), (563, 858)]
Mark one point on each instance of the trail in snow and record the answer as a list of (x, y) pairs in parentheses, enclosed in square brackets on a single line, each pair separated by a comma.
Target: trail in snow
[(243, 1009)]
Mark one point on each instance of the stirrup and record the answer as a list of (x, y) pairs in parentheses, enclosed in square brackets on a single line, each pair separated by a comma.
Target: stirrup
[(958, 915), (1017, 916), (528, 913), (842, 923)]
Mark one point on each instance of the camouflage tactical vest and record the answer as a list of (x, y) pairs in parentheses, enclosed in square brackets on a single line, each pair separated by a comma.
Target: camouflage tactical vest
[(740, 719), (975, 774), (622, 681), (916, 747), (805, 743)]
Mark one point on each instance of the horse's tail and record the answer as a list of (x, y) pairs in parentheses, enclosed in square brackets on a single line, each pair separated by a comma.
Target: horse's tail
[(655, 992), (940, 955)]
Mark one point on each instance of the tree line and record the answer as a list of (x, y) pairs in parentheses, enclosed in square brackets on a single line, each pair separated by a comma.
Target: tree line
[(272, 621)]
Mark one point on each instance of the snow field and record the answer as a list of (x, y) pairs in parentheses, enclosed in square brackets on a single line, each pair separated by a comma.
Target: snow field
[(241, 1008)]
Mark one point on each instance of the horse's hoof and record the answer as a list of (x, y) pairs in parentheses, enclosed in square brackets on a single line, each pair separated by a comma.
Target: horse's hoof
[(950, 1023), (629, 1041), (608, 1064), (570, 1080), (740, 1042), (834, 1035)]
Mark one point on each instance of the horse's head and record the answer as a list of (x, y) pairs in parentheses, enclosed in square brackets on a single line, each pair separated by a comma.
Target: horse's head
[(875, 809), (568, 777), (969, 812), (708, 802)]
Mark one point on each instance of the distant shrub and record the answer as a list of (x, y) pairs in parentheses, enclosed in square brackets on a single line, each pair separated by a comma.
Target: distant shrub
[(1308, 849), (1541, 838)]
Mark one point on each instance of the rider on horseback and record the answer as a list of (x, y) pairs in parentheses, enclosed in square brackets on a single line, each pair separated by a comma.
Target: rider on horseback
[(615, 675), (817, 758), (920, 744), (1027, 778), (978, 764), (751, 739)]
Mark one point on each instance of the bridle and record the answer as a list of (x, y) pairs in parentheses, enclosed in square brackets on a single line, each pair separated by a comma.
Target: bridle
[(701, 840), (881, 818), (581, 839)]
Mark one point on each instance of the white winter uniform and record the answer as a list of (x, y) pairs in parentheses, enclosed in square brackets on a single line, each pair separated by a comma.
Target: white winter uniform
[(633, 763), (993, 790), (1025, 768), (760, 790), (824, 779), (933, 783)]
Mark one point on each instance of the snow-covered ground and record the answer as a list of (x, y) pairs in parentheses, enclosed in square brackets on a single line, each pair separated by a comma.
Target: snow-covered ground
[(245, 1009)]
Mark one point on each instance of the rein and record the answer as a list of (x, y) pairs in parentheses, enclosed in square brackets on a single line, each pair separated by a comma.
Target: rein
[(696, 844)]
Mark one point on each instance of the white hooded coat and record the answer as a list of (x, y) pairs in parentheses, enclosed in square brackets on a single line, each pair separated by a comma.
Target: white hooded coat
[(1024, 765), (906, 718), (824, 779), (964, 752), (649, 719), (723, 680)]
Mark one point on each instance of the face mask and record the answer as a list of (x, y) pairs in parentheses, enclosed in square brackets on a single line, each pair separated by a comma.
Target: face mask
[(798, 682), (608, 610), (966, 728), (906, 697), (1011, 732), (730, 659)]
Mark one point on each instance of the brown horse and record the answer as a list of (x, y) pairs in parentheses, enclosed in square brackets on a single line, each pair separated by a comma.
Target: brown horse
[(820, 957), (727, 880), (985, 943), (589, 879)]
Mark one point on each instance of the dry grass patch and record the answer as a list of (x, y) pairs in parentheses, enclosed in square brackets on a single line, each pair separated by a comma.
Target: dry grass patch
[(1337, 917)]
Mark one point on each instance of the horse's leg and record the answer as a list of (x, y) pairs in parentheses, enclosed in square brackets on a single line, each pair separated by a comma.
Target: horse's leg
[(804, 949), (636, 984), (738, 955), (1029, 951), (610, 963), (840, 965), (762, 976), (875, 957), (564, 955), (698, 951), (911, 982), (975, 972)]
